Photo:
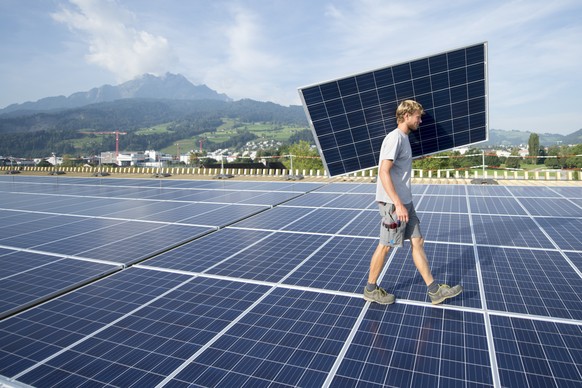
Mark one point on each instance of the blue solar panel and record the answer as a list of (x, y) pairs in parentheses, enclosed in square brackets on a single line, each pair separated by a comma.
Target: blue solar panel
[(344, 201), (537, 353), (496, 205), (450, 264), (576, 258), (444, 227), (524, 281), (325, 269), (29, 278), (324, 221), (366, 223), (350, 116), (152, 338), (409, 346), (551, 207), (358, 201), (275, 298), (202, 254), (533, 191), (139, 246), (272, 258), (35, 335), (452, 204), (292, 338), (274, 219), (335, 187), (509, 232), (109, 240), (565, 232), (443, 190), (488, 191)]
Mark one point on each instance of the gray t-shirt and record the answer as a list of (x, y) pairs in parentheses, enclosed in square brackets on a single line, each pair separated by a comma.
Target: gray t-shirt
[(396, 147)]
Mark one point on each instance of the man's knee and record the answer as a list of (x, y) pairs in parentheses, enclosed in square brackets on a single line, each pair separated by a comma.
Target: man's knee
[(383, 249), (417, 242)]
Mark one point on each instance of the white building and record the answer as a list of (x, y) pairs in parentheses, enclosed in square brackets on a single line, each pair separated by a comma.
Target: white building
[(130, 159), (55, 160), (123, 159)]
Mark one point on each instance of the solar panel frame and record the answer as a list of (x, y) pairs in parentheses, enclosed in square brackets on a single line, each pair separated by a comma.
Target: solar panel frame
[(350, 116)]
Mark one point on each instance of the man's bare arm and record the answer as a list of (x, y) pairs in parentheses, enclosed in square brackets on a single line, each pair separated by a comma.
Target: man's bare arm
[(384, 176)]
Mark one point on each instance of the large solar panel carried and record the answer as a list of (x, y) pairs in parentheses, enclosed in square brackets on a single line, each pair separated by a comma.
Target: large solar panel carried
[(351, 116)]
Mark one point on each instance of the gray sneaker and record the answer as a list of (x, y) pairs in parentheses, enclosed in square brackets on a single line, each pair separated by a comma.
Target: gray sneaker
[(379, 295), (445, 292)]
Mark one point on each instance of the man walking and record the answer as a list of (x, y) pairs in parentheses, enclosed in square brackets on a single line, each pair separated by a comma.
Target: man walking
[(399, 220)]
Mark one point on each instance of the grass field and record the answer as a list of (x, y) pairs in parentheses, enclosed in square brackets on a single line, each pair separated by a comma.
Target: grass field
[(229, 128), (264, 131), (161, 128)]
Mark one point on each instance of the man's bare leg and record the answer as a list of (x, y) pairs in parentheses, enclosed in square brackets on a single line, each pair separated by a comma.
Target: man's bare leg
[(437, 292), (377, 262), (373, 293), (420, 260)]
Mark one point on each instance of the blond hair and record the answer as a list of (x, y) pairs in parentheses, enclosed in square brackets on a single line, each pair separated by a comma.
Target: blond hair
[(408, 106)]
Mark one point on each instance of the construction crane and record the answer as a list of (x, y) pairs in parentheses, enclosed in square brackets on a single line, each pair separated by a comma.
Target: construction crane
[(116, 133)]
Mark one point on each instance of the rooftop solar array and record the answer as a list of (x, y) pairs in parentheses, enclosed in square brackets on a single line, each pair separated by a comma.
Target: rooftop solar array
[(272, 295), (351, 116)]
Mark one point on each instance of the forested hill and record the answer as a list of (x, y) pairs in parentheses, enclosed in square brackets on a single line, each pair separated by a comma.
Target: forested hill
[(133, 114), (37, 134)]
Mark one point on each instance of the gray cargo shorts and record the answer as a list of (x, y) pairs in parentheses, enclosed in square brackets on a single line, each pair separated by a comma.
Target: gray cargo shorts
[(394, 232)]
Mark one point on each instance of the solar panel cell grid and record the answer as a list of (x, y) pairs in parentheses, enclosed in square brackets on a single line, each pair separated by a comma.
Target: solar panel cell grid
[(509, 231), (221, 216), (530, 282), (496, 205), (413, 345), (275, 299), (446, 227), (551, 207), (202, 254), (312, 200), (275, 219), (450, 264), (29, 278), (350, 116), (323, 221), (548, 352), (207, 307), (272, 258), (576, 259), (339, 265), (453, 204), (290, 338), (565, 232), (367, 223)]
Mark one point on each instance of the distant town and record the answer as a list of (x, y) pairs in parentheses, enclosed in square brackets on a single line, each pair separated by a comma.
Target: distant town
[(149, 158), (249, 154)]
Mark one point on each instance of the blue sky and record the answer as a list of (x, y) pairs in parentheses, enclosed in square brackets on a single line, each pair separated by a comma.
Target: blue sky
[(265, 50)]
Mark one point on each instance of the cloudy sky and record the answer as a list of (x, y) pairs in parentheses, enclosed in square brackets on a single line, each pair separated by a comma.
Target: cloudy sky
[(265, 50)]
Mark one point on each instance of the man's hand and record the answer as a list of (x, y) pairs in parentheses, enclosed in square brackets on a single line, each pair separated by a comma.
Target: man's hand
[(401, 213)]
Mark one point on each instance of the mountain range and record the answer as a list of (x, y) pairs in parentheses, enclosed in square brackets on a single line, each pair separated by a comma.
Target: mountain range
[(169, 86), (150, 100), (500, 137)]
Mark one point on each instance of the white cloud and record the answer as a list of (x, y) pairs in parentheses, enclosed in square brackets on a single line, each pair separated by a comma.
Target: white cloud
[(249, 67), (115, 41)]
